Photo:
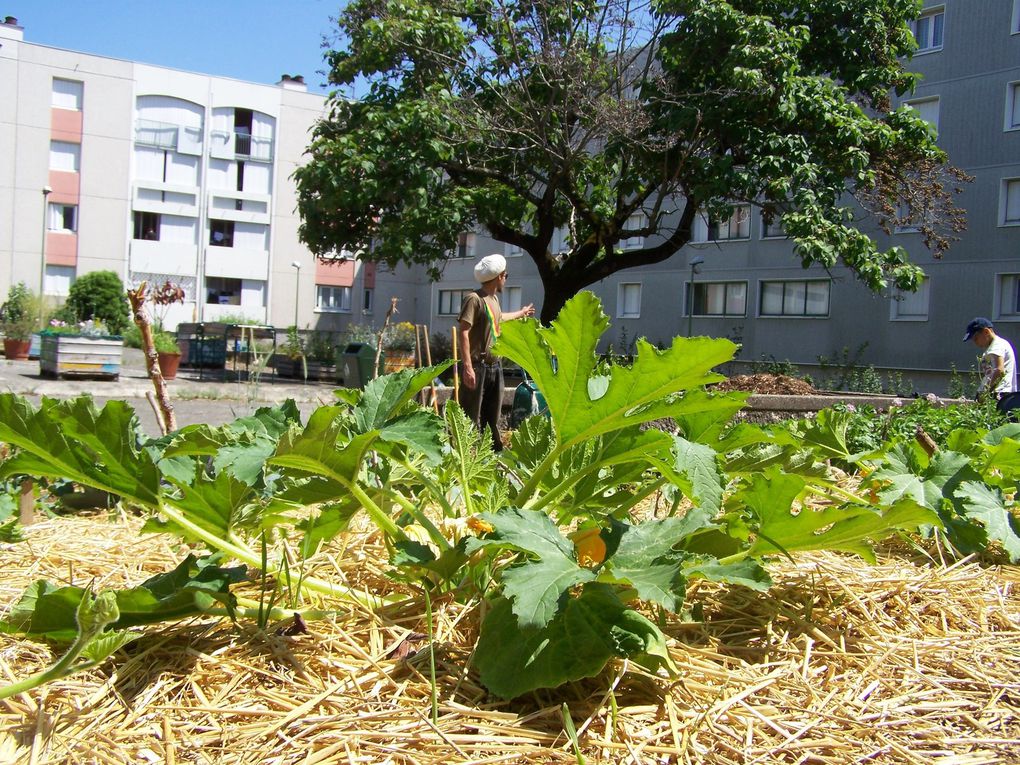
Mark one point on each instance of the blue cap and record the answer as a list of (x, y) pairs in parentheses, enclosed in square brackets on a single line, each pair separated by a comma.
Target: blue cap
[(975, 326)]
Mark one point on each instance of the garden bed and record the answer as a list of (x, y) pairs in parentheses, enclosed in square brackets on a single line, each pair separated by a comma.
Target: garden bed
[(906, 661)]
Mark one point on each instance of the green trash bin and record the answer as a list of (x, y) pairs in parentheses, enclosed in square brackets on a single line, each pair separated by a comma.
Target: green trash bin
[(354, 367)]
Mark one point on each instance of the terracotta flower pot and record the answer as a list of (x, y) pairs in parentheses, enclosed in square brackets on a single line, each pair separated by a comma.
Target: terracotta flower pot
[(16, 350), (168, 363)]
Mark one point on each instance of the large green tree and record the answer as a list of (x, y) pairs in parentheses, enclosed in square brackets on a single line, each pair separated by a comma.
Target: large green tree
[(613, 119)]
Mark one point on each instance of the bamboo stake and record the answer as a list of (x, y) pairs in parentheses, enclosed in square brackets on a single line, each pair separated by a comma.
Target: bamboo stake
[(428, 358), (137, 298), (418, 358), (456, 370), (382, 334)]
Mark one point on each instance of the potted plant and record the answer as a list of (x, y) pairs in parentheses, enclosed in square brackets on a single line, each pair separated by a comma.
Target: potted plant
[(18, 317), (85, 348), (399, 344), (168, 353), (321, 353), (290, 359)]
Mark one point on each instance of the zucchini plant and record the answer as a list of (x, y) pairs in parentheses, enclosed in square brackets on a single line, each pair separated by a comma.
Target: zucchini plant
[(549, 531)]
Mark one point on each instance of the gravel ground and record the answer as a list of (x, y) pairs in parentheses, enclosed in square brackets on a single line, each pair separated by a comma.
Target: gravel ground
[(212, 399)]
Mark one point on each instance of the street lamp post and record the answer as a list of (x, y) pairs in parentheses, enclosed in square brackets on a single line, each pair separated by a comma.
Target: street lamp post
[(695, 262), (297, 290), (46, 191)]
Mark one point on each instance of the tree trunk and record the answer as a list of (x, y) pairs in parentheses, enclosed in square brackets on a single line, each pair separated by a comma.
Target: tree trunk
[(556, 296)]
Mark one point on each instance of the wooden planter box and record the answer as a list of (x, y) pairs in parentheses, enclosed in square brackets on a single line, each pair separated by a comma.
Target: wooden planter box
[(395, 360), (288, 367), (61, 355)]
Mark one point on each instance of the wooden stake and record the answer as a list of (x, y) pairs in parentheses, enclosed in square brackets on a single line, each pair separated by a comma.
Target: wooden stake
[(137, 299), (428, 358), (26, 503), (382, 333)]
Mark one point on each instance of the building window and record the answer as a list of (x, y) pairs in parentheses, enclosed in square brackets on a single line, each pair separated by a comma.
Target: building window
[(147, 226), (65, 157), (928, 30), (367, 296), (511, 299), (221, 233), (718, 298), (772, 229), (1009, 296), (909, 218), (465, 247), (795, 298), (910, 306), (63, 218), (1009, 207), (628, 301), (1013, 106), (57, 280), (332, 299), (1014, 26), (221, 290), (560, 243), (243, 119), (634, 222), (513, 250), (928, 110), (67, 94), (736, 226), (450, 300)]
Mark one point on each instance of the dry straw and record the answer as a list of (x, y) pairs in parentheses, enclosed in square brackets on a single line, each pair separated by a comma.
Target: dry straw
[(908, 661)]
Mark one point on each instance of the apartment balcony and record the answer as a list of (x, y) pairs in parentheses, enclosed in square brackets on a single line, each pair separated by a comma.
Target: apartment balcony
[(223, 206), (165, 135), (165, 198), (230, 145), (215, 312), (163, 258), (237, 263)]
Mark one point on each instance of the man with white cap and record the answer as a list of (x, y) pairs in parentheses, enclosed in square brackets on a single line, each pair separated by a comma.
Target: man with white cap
[(481, 392)]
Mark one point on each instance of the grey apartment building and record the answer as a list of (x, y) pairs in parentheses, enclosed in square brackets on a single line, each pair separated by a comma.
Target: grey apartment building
[(749, 286)]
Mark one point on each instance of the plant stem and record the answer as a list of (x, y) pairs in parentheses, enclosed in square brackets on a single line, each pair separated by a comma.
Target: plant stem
[(248, 557), (411, 509), (432, 657)]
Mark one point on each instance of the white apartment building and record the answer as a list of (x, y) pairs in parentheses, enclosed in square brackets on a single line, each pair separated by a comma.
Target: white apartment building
[(160, 174)]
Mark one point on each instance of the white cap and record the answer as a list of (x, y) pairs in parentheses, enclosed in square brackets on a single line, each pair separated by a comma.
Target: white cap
[(489, 268)]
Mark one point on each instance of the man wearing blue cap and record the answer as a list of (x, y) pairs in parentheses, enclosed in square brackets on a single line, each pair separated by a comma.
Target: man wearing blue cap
[(998, 362)]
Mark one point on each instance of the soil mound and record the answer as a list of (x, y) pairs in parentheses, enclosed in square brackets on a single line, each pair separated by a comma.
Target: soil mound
[(767, 383)]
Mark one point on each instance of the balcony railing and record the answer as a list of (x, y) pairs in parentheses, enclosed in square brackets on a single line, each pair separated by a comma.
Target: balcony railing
[(161, 135), (245, 146)]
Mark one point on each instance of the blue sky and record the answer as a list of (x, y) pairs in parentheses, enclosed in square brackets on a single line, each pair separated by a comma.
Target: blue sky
[(255, 40)]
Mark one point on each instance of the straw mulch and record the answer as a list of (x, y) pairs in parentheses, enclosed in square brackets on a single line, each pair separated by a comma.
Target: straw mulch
[(840, 662)]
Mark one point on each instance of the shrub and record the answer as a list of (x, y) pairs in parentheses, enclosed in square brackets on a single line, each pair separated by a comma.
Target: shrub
[(100, 295), (400, 337), (132, 337), (321, 347), (20, 313), (165, 342)]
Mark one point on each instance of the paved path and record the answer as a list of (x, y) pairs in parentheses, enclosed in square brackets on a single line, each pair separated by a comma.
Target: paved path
[(211, 400)]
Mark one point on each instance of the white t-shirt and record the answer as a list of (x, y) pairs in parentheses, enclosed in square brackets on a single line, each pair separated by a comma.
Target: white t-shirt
[(999, 347)]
